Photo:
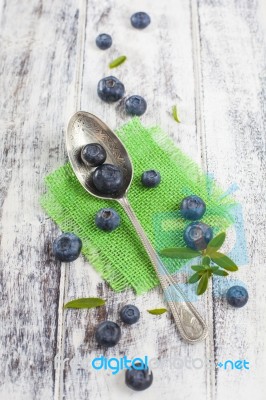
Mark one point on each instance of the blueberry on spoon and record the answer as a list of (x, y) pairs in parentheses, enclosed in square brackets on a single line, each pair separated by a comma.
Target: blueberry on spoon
[(108, 178), (93, 154)]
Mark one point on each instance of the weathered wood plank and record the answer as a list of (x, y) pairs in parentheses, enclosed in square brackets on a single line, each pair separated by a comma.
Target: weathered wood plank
[(159, 67), (37, 55), (233, 69)]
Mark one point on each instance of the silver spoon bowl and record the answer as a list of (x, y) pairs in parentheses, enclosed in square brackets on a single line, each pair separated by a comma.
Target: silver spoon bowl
[(85, 128)]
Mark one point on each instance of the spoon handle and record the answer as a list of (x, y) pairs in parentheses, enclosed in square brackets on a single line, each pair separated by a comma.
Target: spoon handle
[(189, 322)]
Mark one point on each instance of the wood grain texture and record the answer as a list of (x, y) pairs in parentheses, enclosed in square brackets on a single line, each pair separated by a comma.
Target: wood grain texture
[(233, 66), (38, 44), (208, 58)]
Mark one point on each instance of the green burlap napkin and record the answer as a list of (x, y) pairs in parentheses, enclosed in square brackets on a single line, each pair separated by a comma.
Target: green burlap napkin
[(119, 256)]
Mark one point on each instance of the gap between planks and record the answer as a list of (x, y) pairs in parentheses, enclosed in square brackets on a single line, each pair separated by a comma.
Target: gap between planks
[(211, 379)]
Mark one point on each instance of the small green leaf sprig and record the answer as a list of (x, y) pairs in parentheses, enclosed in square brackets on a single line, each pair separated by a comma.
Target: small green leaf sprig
[(157, 311), (205, 270), (118, 61), (85, 302), (175, 114)]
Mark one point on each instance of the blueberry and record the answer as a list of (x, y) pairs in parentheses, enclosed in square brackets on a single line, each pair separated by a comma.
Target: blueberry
[(107, 219), (151, 178), (67, 247), (197, 235), (136, 105), (93, 154), (192, 207), (107, 333), (104, 41), (129, 314), (108, 178), (140, 20), (138, 379), (110, 89), (237, 296)]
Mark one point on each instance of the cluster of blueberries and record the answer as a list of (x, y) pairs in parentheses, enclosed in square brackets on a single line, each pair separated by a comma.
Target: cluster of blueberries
[(111, 89), (197, 235), (108, 179), (108, 334), (108, 219)]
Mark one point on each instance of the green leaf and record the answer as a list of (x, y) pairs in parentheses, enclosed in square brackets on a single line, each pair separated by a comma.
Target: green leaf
[(118, 61), (194, 278), (175, 115), (220, 272), (214, 268), (203, 284), (215, 243), (180, 252), (197, 268), (89, 302), (206, 260), (157, 311), (223, 261)]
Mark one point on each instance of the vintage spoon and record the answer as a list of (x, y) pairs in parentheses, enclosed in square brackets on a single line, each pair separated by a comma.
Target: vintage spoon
[(84, 128)]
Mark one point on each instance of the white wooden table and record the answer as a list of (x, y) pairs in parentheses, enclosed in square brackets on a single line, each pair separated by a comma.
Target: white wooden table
[(209, 58)]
